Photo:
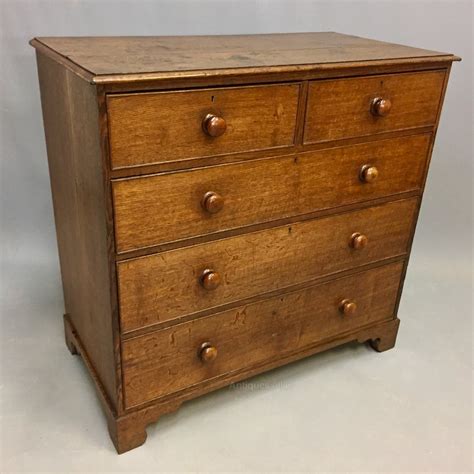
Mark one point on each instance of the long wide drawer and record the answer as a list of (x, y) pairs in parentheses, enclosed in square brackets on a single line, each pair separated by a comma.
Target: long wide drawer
[(345, 108), (172, 359), (180, 282), (161, 127), (157, 209)]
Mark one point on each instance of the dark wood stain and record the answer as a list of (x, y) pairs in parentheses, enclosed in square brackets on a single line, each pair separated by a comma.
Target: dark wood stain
[(109, 56)]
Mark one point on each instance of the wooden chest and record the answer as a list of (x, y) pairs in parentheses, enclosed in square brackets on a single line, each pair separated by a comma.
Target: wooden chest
[(228, 204)]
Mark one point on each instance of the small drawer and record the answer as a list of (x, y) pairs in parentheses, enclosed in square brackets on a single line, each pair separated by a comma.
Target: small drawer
[(162, 127), (167, 285), (346, 108), (174, 358), (159, 209)]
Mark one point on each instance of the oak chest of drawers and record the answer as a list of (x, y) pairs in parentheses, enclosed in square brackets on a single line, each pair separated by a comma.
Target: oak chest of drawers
[(226, 205)]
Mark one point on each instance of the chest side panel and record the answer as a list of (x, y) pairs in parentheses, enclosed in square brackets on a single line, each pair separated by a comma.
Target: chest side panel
[(71, 122)]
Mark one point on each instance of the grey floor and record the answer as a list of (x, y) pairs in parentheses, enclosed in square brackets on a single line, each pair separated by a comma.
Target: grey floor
[(349, 409)]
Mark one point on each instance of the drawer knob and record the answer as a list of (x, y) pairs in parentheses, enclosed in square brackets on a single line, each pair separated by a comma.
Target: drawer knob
[(368, 173), (359, 241), (347, 307), (210, 279), (213, 125), (380, 106), (212, 202), (207, 352)]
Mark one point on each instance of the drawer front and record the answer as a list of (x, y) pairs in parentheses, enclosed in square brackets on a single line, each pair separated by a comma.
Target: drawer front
[(171, 359), (180, 282), (347, 108), (158, 209), (172, 126)]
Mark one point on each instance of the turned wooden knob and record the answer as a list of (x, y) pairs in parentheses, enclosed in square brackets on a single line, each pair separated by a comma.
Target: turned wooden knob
[(380, 106), (207, 352), (368, 173), (210, 279), (347, 307), (212, 202), (213, 125), (359, 241)]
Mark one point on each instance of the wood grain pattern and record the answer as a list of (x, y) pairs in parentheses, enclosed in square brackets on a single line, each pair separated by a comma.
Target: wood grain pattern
[(168, 360), (149, 54), (168, 126), (71, 120), (195, 163), (164, 208), (264, 239), (342, 108), (167, 285)]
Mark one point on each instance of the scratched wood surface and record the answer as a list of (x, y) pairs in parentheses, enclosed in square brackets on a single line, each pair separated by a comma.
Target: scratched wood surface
[(168, 360), (157, 209), (142, 54), (164, 286)]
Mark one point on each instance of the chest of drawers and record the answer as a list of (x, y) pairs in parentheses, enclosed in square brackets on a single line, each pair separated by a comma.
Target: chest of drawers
[(225, 205)]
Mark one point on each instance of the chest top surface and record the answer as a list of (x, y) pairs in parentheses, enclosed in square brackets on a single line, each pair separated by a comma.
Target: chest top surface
[(103, 57)]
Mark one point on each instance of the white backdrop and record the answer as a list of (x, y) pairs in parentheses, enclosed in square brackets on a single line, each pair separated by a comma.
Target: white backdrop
[(437, 296)]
